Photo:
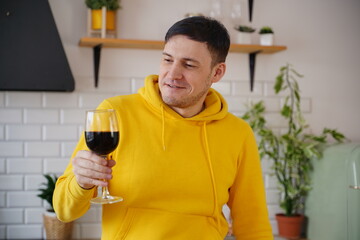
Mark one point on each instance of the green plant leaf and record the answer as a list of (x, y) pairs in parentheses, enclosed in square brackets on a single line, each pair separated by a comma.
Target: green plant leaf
[(278, 83), (297, 95), (243, 28), (47, 192), (286, 111), (266, 29), (296, 73), (283, 69), (98, 4), (339, 137)]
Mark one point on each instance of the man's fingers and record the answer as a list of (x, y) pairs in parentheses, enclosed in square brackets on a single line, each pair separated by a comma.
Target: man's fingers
[(91, 169), (86, 182), (111, 163), (92, 157), (90, 173), (93, 166)]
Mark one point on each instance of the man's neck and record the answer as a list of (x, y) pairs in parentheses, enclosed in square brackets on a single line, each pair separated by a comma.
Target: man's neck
[(190, 111)]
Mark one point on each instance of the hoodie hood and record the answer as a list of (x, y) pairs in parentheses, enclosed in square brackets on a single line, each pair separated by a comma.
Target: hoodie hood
[(216, 106)]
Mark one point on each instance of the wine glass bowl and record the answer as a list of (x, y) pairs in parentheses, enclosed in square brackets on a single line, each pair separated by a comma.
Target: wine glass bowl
[(102, 138), (102, 143)]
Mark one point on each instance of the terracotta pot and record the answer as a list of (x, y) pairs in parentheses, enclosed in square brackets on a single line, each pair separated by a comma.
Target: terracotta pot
[(55, 229), (96, 16), (290, 227)]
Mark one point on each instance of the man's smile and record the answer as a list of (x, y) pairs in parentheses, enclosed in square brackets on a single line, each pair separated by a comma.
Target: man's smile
[(174, 86)]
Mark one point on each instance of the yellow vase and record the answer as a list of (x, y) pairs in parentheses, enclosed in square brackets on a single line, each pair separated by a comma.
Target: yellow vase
[(96, 16)]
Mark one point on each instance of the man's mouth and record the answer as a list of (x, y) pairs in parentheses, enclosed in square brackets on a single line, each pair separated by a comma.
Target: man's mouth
[(174, 86)]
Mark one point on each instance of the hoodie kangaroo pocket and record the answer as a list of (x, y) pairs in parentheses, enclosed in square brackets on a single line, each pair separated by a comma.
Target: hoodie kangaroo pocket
[(126, 224), (151, 224)]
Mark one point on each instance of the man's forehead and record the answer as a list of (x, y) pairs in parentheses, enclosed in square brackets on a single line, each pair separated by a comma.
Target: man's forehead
[(181, 46), (185, 38)]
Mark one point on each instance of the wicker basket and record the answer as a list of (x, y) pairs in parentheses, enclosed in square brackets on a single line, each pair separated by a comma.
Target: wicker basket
[(55, 229)]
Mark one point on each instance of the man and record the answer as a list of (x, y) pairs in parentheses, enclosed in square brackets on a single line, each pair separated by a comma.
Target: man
[(181, 155)]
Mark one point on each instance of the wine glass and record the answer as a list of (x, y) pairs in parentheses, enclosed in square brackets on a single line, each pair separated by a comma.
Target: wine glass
[(102, 137)]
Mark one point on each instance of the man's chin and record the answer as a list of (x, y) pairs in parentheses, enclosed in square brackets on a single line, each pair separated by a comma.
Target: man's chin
[(174, 103)]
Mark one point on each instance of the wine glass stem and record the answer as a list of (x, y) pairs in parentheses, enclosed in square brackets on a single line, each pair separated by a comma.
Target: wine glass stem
[(105, 190), (105, 193)]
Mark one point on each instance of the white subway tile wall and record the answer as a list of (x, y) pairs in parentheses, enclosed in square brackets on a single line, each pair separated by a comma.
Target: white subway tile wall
[(2, 165), (33, 215), (29, 231), (41, 116), (2, 231), (38, 132), (10, 115), (24, 165), (2, 99), (21, 99), (2, 132), (11, 215), (2, 200)]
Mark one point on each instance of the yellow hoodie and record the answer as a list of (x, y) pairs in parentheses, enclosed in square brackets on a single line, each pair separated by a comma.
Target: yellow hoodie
[(175, 174)]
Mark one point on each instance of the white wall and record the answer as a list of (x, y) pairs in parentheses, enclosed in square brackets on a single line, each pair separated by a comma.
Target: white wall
[(38, 130)]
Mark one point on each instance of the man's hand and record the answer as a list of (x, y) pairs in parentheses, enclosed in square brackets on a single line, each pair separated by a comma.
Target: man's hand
[(90, 169)]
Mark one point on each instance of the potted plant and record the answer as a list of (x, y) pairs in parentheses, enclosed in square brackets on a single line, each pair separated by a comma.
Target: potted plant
[(54, 228), (96, 7), (292, 151), (244, 35), (266, 36)]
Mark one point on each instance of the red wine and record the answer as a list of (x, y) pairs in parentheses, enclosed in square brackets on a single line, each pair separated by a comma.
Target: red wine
[(102, 143)]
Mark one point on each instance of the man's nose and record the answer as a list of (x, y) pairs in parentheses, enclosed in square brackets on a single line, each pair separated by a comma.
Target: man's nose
[(175, 71)]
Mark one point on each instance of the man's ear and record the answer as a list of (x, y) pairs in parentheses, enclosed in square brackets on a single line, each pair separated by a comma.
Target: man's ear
[(218, 72)]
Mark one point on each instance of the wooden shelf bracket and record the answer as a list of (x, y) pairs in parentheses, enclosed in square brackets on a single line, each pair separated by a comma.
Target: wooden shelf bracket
[(251, 7), (96, 55), (252, 62)]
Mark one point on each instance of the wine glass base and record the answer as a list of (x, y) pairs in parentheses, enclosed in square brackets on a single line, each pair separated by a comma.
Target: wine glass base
[(107, 200)]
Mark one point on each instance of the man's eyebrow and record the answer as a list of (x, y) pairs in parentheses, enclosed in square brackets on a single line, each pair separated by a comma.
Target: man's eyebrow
[(186, 58), (167, 54), (191, 60)]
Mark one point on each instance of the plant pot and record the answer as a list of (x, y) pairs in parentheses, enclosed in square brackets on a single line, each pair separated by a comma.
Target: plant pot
[(244, 38), (267, 39), (290, 227), (96, 19), (55, 229)]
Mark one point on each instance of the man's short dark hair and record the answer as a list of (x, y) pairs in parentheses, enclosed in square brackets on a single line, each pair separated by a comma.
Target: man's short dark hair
[(206, 30)]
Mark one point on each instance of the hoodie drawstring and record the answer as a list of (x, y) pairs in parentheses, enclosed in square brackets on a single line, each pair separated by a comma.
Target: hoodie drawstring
[(163, 127), (208, 157), (215, 213)]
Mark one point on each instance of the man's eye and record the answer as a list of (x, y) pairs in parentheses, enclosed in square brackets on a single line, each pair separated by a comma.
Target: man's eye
[(189, 65), (167, 60)]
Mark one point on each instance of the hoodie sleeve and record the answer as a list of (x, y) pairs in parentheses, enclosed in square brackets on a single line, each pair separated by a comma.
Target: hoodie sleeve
[(247, 196), (70, 201)]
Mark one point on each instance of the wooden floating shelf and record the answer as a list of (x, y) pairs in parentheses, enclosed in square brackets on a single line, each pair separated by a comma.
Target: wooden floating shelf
[(98, 43), (242, 48), (120, 43), (159, 45)]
